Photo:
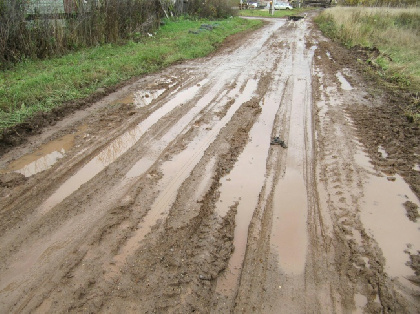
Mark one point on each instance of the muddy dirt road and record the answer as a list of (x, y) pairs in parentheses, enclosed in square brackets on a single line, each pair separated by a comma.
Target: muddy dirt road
[(167, 195)]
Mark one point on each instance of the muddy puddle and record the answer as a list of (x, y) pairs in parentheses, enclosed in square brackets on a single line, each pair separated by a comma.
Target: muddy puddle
[(288, 238), (44, 157), (288, 235), (362, 158), (361, 302), (178, 169), (145, 98), (246, 180), (243, 185), (384, 216), (383, 152), (345, 85), (116, 149), (208, 100)]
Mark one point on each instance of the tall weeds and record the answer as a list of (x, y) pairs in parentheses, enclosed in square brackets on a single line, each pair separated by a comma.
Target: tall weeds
[(394, 31), (28, 32), (31, 30)]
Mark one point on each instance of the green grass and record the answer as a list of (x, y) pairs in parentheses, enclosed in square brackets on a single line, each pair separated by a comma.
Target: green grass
[(277, 13), (33, 86), (394, 31)]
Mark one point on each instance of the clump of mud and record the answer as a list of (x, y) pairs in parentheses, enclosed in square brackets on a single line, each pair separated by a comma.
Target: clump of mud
[(10, 180), (414, 263), (412, 211)]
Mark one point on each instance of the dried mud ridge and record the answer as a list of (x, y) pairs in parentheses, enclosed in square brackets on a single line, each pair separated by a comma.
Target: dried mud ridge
[(167, 195)]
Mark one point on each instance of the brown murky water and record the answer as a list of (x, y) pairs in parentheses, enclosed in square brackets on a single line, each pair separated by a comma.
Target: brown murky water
[(116, 149), (44, 157), (144, 224), (177, 170), (383, 214), (289, 238), (243, 185)]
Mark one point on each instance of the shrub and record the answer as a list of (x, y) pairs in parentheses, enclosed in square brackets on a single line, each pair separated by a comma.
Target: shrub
[(210, 8), (28, 30)]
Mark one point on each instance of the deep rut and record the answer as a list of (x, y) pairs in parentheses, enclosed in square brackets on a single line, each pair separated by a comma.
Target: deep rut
[(169, 197)]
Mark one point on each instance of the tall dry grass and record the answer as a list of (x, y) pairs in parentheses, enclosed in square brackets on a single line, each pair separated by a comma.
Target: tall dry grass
[(394, 31)]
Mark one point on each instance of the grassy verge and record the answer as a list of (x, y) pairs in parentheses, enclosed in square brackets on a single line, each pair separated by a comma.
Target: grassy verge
[(34, 86), (277, 13), (394, 31)]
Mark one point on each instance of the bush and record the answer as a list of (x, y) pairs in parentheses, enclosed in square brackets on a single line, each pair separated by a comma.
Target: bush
[(210, 8), (31, 31)]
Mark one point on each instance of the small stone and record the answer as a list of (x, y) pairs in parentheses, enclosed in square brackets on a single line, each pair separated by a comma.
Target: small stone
[(391, 178)]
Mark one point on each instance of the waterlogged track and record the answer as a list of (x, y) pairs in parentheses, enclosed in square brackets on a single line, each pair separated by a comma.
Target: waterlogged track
[(168, 197)]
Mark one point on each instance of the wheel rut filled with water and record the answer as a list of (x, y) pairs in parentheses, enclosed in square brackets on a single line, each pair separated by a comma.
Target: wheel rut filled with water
[(239, 182)]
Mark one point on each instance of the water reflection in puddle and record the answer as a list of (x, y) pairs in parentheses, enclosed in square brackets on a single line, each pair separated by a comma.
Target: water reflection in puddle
[(116, 149), (362, 159), (242, 186), (290, 213), (178, 169), (361, 301), (328, 55), (45, 157), (383, 152), (384, 215), (288, 233), (145, 98), (344, 83)]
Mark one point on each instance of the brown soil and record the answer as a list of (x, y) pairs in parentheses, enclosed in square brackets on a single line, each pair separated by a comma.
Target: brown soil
[(412, 211), (165, 195)]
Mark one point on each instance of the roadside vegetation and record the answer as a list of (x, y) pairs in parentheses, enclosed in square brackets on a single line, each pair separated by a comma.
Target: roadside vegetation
[(55, 52), (40, 85), (277, 13), (390, 36), (41, 29)]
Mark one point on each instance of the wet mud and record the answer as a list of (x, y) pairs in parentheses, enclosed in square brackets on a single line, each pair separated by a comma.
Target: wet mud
[(167, 195)]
